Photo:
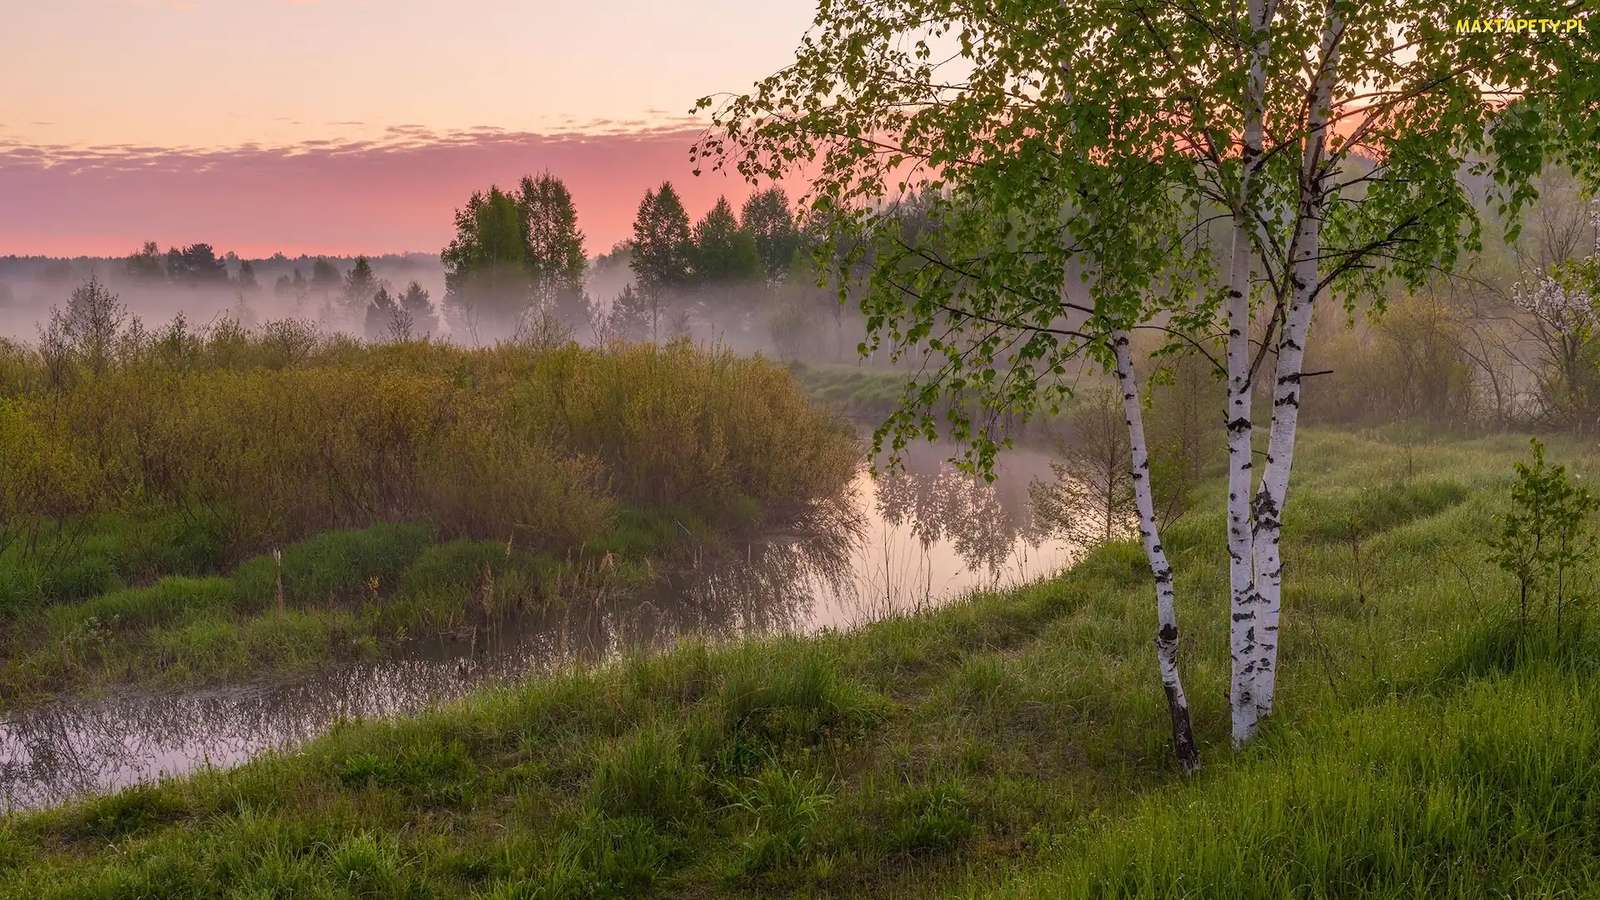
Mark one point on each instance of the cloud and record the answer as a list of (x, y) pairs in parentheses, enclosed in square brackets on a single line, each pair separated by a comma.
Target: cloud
[(393, 192)]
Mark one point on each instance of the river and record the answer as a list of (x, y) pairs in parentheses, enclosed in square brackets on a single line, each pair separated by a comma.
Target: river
[(915, 539)]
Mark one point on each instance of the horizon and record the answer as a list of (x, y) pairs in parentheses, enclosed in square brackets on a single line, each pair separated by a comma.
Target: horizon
[(332, 128)]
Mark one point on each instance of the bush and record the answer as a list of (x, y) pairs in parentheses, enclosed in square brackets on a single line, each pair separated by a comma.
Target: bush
[(1407, 364), (1547, 541), (261, 438)]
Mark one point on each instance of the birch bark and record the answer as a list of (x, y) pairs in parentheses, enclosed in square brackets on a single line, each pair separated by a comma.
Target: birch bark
[(1166, 612), (1267, 506), (1244, 597)]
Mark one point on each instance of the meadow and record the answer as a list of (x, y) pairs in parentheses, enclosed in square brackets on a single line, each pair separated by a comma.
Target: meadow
[(198, 506), (1010, 745)]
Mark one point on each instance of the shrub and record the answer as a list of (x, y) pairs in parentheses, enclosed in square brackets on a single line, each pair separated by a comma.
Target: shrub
[(1407, 364), (263, 437), (1547, 538)]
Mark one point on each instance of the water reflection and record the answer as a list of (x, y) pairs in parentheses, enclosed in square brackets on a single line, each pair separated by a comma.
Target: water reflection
[(908, 540)]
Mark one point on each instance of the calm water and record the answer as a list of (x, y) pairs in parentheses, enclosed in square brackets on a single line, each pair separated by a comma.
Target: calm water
[(899, 543)]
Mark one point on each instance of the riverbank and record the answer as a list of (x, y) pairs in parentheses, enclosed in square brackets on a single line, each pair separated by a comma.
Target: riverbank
[(235, 503), (914, 539), (1010, 744), (870, 395)]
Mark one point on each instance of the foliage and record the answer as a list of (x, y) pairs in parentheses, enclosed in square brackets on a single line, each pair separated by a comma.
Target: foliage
[(723, 251), (1006, 746), (770, 222), (555, 258), (486, 281), (1013, 188), (146, 263), (954, 206), (1564, 303), (516, 253), (1547, 541), (1090, 500), (386, 319), (1409, 363), (325, 278), (418, 310), (86, 334), (194, 264), (274, 434), (662, 250), (360, 284)]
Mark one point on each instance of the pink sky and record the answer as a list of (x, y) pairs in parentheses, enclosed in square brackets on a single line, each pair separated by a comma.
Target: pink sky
[(341, 197), (346, 126)]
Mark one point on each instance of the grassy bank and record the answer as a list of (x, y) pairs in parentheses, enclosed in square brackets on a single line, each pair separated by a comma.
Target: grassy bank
[(144, 496), (860, 393), (1012, 745), (870, 395)]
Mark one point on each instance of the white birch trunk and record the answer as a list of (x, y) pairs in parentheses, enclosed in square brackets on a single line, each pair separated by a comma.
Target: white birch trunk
[(1267, 507), (1244, 597), (1166, 612)]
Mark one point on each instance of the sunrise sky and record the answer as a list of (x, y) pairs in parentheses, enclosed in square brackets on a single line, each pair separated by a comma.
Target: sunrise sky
[(345, 126)]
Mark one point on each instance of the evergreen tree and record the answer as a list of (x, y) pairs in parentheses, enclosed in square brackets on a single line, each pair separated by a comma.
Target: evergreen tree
[(385, 318), (360, 284), (415, 304), (324, 277), (629, 317)]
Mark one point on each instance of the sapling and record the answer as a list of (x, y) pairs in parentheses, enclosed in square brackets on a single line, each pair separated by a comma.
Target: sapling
[(1546, 537)]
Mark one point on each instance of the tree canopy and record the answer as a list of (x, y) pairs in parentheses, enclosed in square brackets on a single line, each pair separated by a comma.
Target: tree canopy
[(515, 251), (1011, 188), (722, 250), (661, 242), (769, 220)]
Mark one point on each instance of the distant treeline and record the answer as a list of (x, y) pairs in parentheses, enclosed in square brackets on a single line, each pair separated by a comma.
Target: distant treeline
[(518, 261), (518, 266)]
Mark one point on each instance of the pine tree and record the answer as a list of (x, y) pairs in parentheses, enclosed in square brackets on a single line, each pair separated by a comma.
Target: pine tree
[(415, 304), (359, 284)]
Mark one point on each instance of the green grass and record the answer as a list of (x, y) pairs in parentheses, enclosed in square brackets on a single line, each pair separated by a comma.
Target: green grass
[(352, 592), (869, 395), (852, 390), (139, 502), (188, 464), (1013, 745)]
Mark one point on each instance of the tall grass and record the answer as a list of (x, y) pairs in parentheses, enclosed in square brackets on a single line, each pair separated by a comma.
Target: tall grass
[(1013, 745), (259, 438)]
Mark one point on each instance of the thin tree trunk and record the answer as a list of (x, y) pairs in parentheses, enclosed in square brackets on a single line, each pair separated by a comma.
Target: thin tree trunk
[(1243, 595), (1267, 507), (1166, 613)]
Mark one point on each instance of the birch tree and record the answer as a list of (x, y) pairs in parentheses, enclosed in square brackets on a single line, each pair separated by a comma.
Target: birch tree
[(1075, 160)]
